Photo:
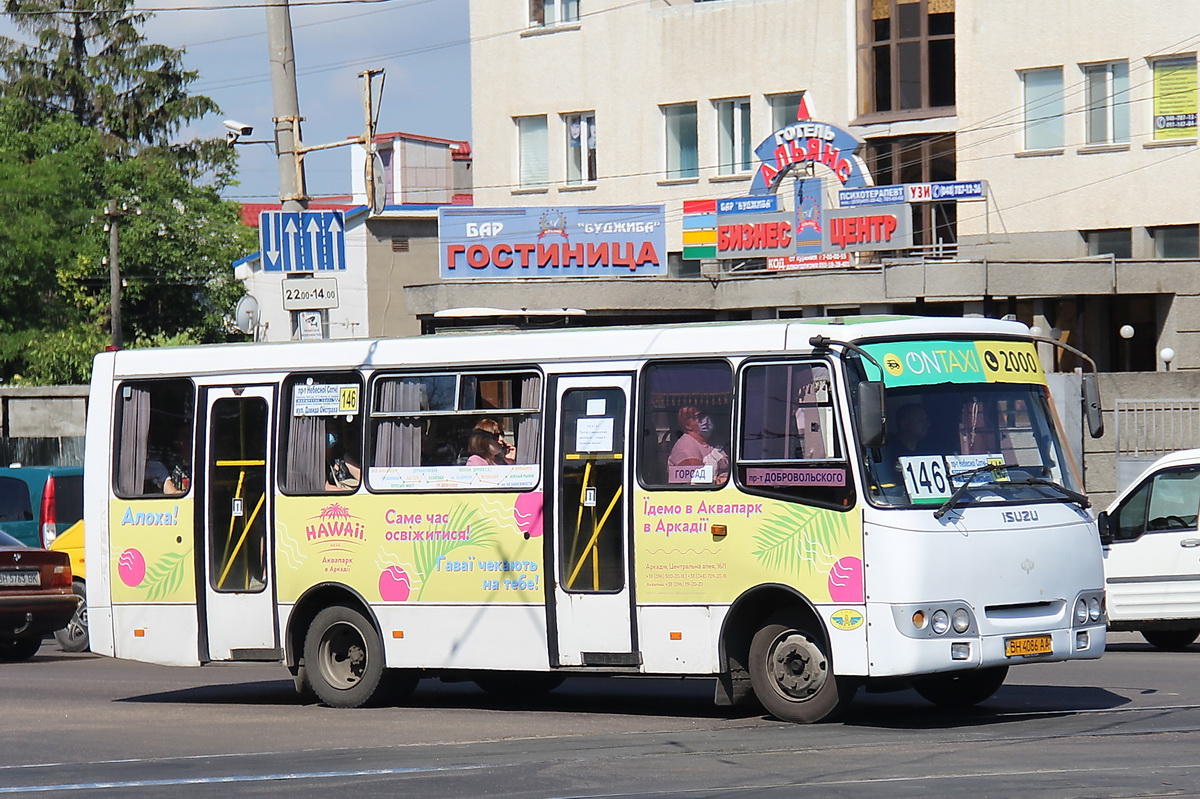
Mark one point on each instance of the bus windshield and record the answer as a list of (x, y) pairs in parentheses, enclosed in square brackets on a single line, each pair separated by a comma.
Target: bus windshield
[(939, 437)]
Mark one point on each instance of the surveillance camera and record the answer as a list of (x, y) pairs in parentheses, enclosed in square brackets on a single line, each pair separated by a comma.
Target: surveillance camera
[(239, 128)]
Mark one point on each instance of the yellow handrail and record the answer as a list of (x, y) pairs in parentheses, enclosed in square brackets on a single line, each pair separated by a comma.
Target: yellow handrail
[(592, 543)]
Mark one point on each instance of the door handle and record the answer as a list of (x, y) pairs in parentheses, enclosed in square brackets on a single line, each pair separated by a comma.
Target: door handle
[(1190, 542)]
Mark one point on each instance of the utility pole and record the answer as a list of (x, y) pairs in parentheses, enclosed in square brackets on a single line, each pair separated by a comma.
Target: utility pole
[(286, 103), (113, 213)]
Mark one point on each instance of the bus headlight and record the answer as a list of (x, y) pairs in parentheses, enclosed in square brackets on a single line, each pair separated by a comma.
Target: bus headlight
[(960, 621), (940, 621), (1081, 611), (1094, 609)]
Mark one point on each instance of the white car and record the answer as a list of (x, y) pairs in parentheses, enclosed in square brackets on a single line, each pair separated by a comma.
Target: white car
[(1152, 553)]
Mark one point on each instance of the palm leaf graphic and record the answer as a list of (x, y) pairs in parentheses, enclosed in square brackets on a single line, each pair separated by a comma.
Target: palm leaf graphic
[(426, 553), (798, 539), (165, 576)]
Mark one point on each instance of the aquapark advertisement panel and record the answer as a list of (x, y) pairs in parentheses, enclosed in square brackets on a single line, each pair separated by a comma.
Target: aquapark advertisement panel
[(560, 242)]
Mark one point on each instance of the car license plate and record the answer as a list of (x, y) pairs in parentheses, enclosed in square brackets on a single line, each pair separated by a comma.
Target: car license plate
[(1028, 645), (20, 579)]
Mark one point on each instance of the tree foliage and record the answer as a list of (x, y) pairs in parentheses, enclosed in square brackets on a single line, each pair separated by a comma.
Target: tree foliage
[(89, 112)]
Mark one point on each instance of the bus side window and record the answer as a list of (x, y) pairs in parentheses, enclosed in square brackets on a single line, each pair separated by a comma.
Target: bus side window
[(322, 434), (155, 427), (686, 423), (791, 444)]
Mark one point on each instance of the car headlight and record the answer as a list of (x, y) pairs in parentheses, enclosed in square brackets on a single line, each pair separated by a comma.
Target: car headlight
[(1081, 611), (960, 621), (1094, 609), (939, 622)]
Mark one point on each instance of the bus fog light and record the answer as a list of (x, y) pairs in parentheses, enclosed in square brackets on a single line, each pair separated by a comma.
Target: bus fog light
[(1081, 612), (918, 619), (960, 621), (1081, 639), (960, 651), (1094, 609), (940, 621)]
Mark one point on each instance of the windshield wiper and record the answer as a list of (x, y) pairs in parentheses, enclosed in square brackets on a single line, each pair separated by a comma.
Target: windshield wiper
[(970, 475), (1068, 494)]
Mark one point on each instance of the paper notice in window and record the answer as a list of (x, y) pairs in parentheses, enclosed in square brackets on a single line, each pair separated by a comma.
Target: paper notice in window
[(594, 434)]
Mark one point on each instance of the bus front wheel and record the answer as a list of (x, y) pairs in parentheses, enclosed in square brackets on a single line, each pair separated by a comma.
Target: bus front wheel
[(961, 690), (343, 658), (792, 675)]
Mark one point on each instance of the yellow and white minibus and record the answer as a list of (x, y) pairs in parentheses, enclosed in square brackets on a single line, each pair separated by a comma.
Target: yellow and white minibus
[(796, 508)]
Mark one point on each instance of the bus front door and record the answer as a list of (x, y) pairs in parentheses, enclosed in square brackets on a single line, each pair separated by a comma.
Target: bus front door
[(239, 606), (593, 618)]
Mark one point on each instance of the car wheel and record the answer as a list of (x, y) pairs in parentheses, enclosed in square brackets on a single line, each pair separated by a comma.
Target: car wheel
[(23, 648), (74, 637), (1170, 640), (343, 658), (961, 690), (792, 674)]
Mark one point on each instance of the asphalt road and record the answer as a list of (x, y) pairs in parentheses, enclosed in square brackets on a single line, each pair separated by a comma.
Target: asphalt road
[(81, 725)]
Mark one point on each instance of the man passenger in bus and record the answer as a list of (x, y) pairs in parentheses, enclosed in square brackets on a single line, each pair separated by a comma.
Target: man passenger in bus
[(177, 462), (693, 459), (912, 428), (487, 446), (342, 472)]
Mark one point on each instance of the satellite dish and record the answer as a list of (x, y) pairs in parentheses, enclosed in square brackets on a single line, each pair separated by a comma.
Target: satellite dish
[(245, 314), (376, 191)]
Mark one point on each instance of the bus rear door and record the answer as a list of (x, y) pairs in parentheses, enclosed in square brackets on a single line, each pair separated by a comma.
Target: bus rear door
[(593, 616), (238, 614)]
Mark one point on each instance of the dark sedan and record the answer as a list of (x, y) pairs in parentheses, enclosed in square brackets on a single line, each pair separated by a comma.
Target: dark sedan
[(35, 597)]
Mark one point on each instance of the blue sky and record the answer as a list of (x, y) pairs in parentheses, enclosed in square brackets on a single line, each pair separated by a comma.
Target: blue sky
[(422, 45)]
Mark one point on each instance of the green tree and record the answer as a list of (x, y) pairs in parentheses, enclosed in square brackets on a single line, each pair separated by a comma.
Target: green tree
[(89, 112)]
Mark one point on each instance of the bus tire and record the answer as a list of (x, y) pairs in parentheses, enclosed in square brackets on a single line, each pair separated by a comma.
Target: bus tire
[(1170, 640), (74, 637), (961, 690), (792, 674), (343, 658)]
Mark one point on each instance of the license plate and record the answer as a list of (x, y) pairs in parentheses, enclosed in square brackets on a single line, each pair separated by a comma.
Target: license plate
[(1028, 645), (20, 579)]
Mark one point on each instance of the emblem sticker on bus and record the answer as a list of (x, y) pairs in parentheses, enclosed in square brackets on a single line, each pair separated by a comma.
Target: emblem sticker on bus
[(846, 619)]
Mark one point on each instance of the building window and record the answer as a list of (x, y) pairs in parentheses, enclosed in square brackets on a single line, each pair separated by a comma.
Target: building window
[(784, 109), (734, 148), (581, 148), (683, 159), (1175, 98), (531, 146), (918, 159), (1107, 102), (1117, 242), (553, 12), (1176, 241), (1043, 90), (907, 52)]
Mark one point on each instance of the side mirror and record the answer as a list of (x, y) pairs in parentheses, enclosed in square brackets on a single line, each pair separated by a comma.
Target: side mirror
[(1091, 405), (872, 414), (1102, 523)]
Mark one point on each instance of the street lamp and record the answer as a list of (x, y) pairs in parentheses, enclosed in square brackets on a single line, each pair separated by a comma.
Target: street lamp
[(1167, 354), (1126, 333)]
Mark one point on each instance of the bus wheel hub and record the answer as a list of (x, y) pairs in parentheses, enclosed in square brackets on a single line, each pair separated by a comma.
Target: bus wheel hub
[(799, 667)]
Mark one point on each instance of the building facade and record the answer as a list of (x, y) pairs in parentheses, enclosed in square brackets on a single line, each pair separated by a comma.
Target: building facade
[(1077, 120)]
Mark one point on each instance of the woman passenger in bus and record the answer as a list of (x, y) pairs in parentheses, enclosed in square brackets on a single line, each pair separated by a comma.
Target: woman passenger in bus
[(487, 446), (693, 459), (342, 471)]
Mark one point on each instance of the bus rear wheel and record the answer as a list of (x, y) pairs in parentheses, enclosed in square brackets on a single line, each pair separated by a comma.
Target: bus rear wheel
[(792, 675), (343, 658), (961, 690)]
